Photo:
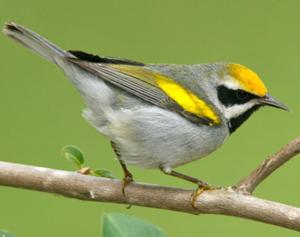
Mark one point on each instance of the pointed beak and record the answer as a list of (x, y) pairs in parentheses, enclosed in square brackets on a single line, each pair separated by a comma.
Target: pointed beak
[(271, 101)]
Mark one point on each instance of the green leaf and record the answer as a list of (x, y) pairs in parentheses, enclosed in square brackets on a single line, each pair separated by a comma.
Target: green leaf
[(4, 233), (73, 154), (120, 225), (102, 173)]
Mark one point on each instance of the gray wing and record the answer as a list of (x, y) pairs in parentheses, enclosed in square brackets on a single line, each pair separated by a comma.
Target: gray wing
[(138, 81)]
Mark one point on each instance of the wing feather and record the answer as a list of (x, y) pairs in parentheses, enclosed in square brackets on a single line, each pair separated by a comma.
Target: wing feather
[(143, 83)]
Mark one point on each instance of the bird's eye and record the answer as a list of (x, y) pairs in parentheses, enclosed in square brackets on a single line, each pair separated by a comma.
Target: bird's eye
[(241, 95)]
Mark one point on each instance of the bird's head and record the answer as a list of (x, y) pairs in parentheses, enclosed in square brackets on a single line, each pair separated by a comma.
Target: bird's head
[(240, 92)]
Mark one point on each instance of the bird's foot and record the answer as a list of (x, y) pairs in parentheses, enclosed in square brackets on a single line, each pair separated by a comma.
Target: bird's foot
[(128, 178), (201, 188)]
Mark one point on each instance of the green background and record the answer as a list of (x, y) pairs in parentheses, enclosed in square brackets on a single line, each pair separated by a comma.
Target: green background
[(40, 110)]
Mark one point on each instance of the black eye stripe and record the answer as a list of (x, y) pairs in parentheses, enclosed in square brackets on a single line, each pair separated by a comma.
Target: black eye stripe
[(229, 97)]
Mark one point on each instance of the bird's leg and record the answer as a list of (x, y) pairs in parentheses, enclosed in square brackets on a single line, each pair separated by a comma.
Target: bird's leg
[(202, 186), (128, 177), (169, 171)]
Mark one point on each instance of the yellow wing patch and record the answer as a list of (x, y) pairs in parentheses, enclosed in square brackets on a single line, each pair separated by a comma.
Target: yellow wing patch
[(182, 96), (186, 99), (248, 79)]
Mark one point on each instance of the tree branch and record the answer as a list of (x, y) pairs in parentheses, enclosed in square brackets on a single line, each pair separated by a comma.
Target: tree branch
[(225, 201), (249, 183)]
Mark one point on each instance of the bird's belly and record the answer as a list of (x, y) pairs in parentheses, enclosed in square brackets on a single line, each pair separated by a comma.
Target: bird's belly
[(151, 137)]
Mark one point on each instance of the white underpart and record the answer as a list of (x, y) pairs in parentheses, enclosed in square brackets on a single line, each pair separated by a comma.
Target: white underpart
[(236, 110)]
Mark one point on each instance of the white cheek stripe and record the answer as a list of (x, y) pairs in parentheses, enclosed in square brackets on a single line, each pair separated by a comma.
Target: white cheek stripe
[(237, 110)]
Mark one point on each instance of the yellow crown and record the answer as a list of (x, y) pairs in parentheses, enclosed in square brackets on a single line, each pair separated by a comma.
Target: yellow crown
[(248, 79)]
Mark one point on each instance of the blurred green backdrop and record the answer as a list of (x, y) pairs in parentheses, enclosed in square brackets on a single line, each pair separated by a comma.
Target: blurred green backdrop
[(40, 110)]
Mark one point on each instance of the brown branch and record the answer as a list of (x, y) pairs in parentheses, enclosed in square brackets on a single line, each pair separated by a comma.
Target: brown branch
[(230, 201), (249, 183)]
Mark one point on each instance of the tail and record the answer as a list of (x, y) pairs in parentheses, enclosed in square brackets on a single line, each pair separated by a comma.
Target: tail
[(35, 42)]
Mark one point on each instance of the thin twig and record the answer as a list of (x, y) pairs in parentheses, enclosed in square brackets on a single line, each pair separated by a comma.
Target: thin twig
[(249, 183), (84, 187)]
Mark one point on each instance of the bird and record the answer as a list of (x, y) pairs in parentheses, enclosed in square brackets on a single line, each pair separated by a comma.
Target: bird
[(157, 116)]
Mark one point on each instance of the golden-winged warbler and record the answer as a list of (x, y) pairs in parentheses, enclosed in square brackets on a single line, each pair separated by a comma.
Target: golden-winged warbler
[(157, 115)]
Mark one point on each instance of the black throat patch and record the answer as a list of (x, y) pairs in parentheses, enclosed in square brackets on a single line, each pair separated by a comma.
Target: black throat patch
[(234, 123)]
